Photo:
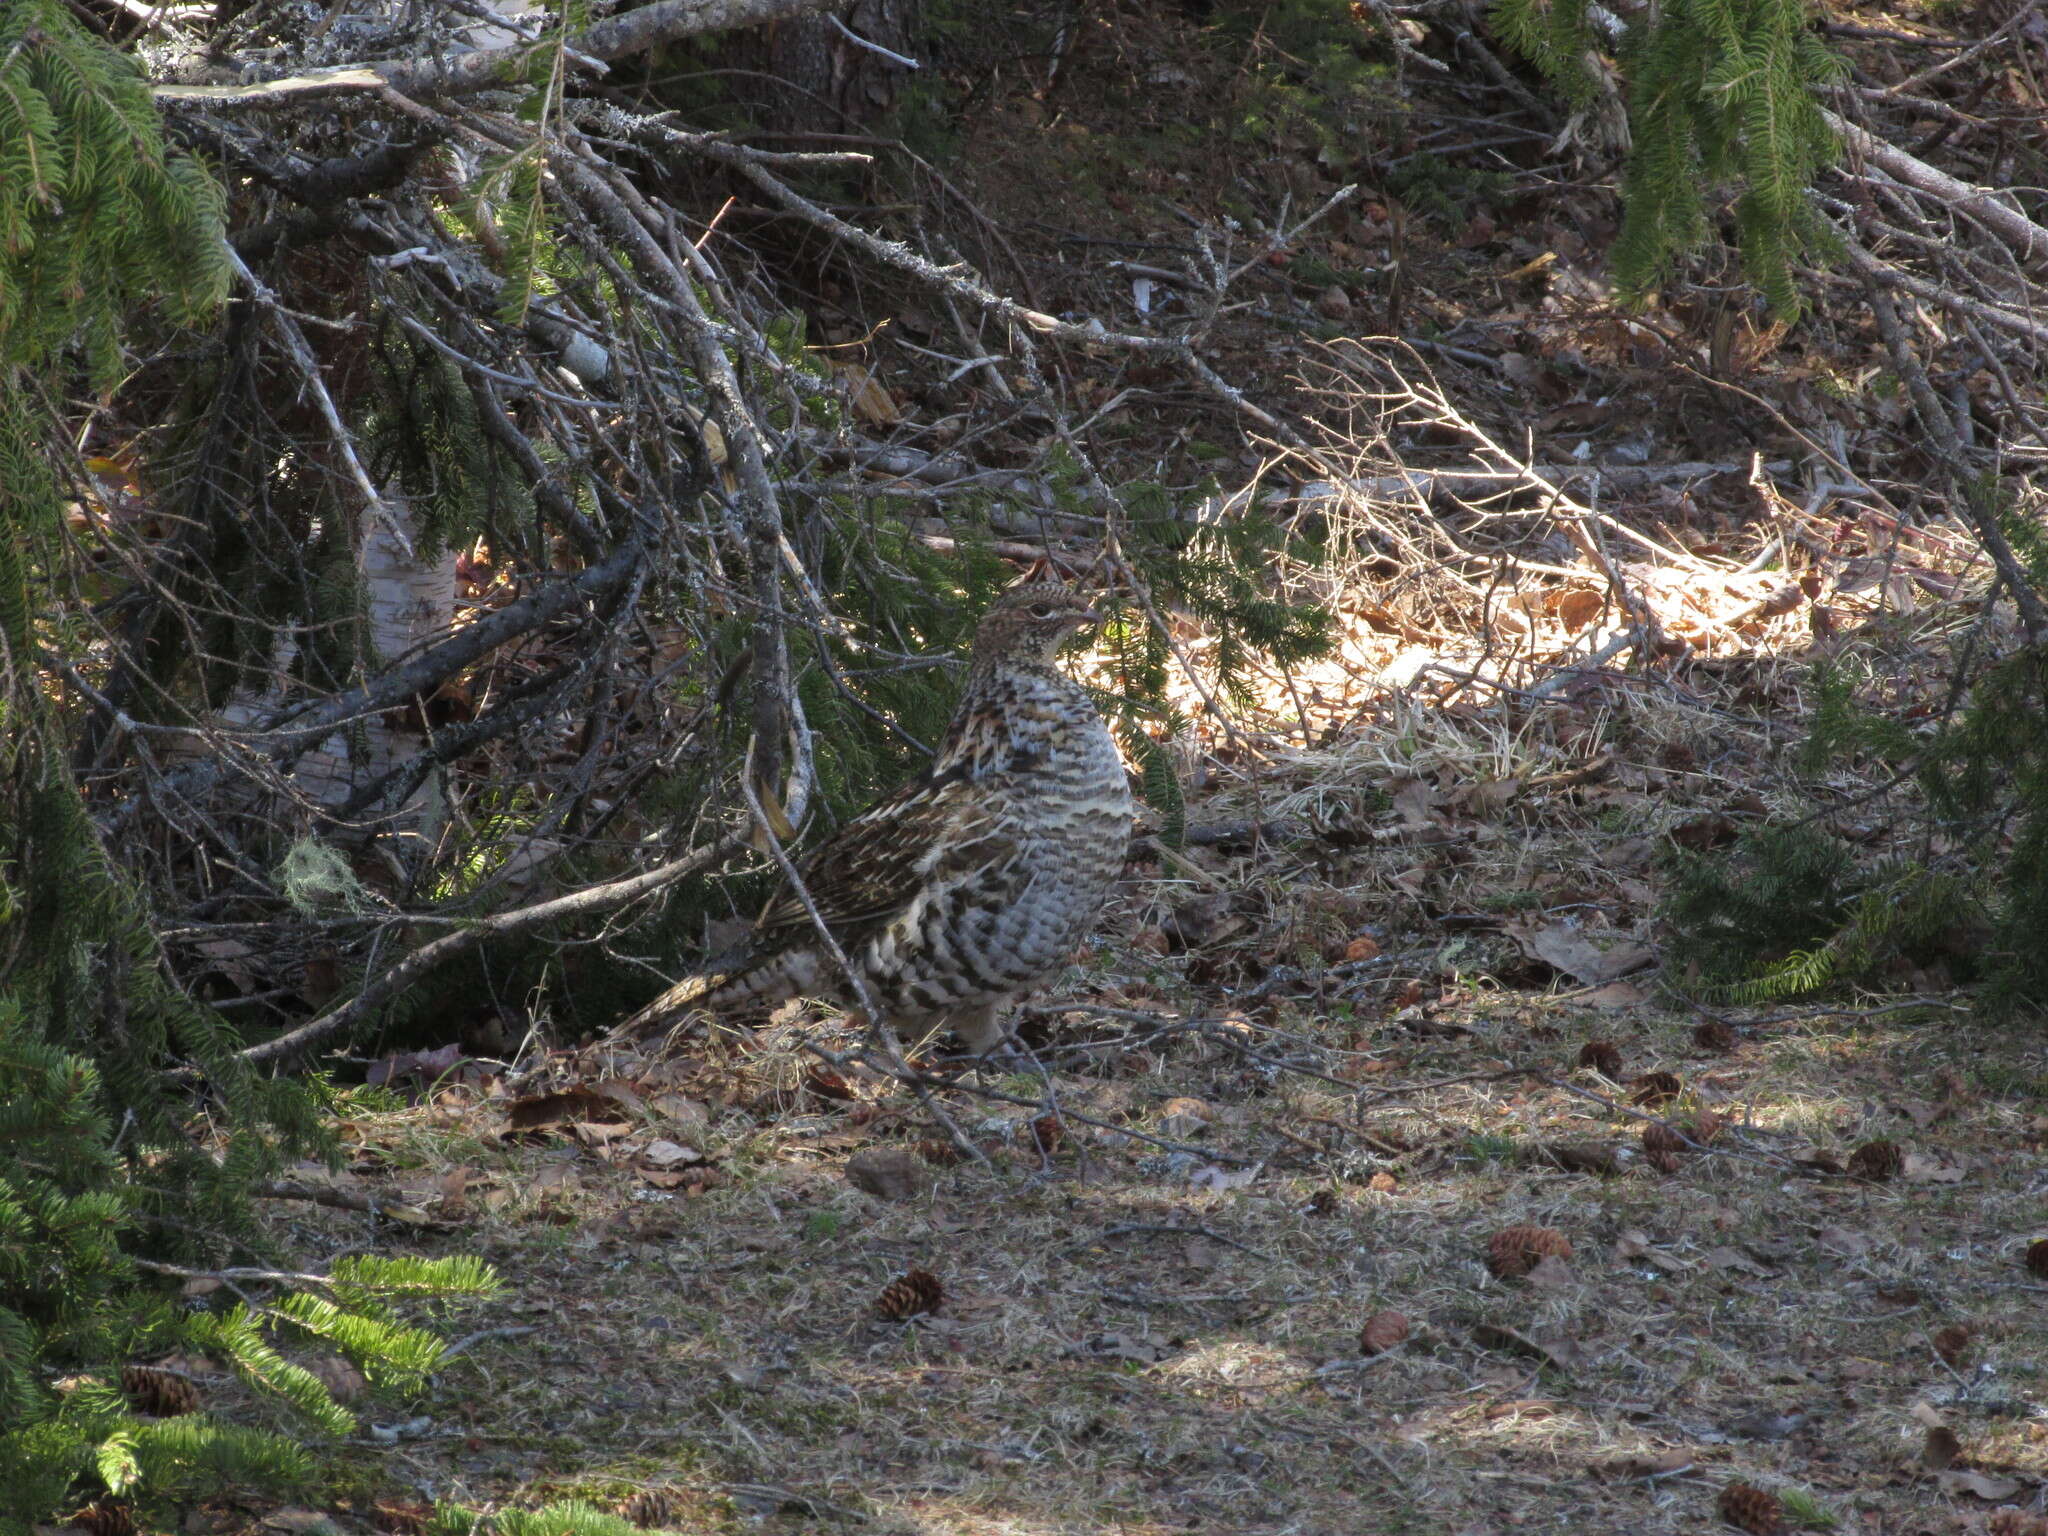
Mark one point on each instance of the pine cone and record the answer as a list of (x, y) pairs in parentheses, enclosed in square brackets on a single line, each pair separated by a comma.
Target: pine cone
[(1659, 1137), (1654, 1088), (909, 1294), (1706, 1125), (939, 1152), (1878, 1161), (105, 1517), (1749, 1508), (1663, 1162), (158, 1393), (1515, 1251), (651, 1508), (1382, 1331), (1951, 1343), (2037, 1257), (1043, 1135), (1602, 1056), (1714, 1036)]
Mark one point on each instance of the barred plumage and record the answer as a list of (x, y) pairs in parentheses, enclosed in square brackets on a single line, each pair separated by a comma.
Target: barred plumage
[(974, 881)]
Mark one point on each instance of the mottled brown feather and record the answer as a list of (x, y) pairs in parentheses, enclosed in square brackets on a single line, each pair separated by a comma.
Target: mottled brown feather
[(971, 883)]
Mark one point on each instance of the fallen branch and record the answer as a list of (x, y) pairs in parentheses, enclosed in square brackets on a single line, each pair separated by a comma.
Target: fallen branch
[(2028, 239), (482, 68)]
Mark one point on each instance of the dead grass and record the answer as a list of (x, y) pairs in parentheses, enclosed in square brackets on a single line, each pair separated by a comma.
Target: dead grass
[(1141, 1339), (1348, 1051)]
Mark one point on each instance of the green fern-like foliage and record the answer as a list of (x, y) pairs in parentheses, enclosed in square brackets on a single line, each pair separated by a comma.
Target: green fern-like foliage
[(1789, 913), (129, 1127), (96, 215), (1719, 91), (1779, 893), (73, 1302)]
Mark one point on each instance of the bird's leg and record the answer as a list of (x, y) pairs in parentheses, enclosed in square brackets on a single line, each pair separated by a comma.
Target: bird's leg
[(978, 1028)]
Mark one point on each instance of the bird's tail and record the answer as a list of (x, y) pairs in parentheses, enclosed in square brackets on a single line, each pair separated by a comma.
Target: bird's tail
[(740, 975), (698, 994)]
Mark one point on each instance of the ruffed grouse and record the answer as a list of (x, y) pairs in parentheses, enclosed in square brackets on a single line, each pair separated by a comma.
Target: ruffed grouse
[(972, 882)]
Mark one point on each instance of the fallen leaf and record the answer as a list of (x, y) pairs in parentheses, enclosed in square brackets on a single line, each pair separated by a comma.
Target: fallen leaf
[(669, 1154), (1564, 947), (1121, 1346), (1616, 994), (1982, 1485), (1919, 1168), (1551, 1273), (1210, 1176), (1704, 832), (1559, 1352), (1415, 802), (1733, 1258), (544, 1109), (871, 402), (1652, 1463)]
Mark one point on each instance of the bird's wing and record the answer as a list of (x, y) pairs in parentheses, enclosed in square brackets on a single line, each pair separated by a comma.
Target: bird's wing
[(932, 832)]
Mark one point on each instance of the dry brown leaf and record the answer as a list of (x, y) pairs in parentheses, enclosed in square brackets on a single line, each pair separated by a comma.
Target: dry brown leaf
[(1415, 802), (1616, 994), (545, 1109), (1579, 955), (1919, 1168), (1551, 1350), (1652, 1463), (1732, 1258), (1551, 1273), (1988, 1486), (871, 402), (1579, 607)]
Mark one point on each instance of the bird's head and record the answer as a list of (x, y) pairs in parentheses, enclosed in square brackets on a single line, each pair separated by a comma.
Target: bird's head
[(1030, 622)]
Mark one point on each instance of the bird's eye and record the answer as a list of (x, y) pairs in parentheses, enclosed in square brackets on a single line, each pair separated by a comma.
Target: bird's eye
[(1043, 610)]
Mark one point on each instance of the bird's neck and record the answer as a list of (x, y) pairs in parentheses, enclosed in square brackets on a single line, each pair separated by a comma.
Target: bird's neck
[(1008, 717)]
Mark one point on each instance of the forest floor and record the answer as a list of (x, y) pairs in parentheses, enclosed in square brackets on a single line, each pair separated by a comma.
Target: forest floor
[(1392, 998)]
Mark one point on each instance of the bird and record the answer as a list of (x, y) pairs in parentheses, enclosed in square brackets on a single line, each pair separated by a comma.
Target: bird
[(972, 883)]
